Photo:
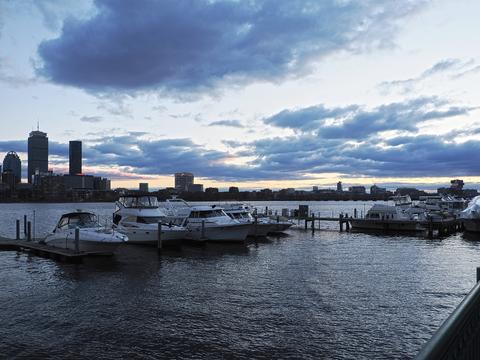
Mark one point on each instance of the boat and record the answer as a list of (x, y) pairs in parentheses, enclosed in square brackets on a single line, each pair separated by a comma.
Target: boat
[(93, 237), (392, 218), (211, 223), (470, 217), (138, 216), (242, 213)]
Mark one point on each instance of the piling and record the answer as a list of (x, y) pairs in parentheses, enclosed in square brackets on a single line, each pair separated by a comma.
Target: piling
[(347, 223), (355, 213), (306, 223), (255, 225), (159, 237), (340, 221), (266, 210), (278, 219), (25, 225), (17, 237), (77, 240), (313, 222), (478, 274), (203, 229), (29, 231)]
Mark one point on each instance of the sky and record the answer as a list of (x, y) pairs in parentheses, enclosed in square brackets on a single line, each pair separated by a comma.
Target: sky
[(254, 93)]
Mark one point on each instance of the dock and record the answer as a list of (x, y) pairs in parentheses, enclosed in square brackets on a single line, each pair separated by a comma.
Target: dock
[(49, 252)]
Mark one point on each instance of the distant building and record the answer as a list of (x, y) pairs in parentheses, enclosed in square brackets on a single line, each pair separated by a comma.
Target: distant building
[(211, 190), (9, 179), (75, 157), (183, 181), (12, 163), (37, 154), (376, 190), (143, 187), (315, 188), (339, 186), (233, 189), (195, 188), (456, 184), (357, 189)]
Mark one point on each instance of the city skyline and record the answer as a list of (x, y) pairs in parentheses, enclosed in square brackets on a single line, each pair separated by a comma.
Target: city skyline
[(389, 102)]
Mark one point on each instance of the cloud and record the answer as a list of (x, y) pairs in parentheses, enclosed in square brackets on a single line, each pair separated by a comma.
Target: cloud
[(228, 123), (456, 67), (91, 119), (185, 46), (356, 122)]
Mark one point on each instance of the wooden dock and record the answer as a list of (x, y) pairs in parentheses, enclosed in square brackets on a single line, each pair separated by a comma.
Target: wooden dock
[(49, 252)]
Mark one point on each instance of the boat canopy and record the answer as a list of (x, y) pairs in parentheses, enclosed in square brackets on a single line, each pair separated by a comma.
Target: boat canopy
[(77, 219)]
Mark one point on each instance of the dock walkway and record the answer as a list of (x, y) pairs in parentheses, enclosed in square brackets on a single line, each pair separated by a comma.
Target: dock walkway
[(50, 252)]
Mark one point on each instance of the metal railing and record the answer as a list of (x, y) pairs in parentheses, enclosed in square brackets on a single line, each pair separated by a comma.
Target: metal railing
[(459, 335)]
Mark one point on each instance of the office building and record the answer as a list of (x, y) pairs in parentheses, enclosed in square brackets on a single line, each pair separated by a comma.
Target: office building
[(143, 187), (195, 188), (183, 181), (339, 186), (37, 154), (12, 163), (75, 157), (357, 189)]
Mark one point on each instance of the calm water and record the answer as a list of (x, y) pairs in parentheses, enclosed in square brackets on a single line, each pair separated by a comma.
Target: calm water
[(329, 295)]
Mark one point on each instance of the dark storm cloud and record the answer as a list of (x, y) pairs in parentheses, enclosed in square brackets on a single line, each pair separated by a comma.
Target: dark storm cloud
[(354, 122), (186, 45)]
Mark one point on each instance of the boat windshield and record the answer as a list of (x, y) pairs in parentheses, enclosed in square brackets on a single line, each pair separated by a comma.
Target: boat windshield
[(82, 220), (139, 202), (207, 214)]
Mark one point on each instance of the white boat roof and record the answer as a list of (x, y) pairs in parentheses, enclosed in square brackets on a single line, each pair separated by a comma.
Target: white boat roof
[(205, 208)]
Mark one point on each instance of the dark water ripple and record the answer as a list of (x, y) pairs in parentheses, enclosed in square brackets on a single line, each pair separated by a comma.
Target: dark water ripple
[(327, 295)]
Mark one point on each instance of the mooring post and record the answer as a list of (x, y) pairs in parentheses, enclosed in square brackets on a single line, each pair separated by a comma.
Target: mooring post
[(278, 219), (340, 221), (478, 274), (159, 237), (306, 222), (347, 223), (77, 239), (29, 231), (203, 229), (17, 229), (319, 220), (313, 222), (266, 210), (255, 225), (355, 213), (24, 225)]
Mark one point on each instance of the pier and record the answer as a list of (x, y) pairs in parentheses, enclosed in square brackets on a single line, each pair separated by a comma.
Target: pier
[(49, 252)]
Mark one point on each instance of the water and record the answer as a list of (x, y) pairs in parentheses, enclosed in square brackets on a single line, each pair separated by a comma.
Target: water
[(328, 295)]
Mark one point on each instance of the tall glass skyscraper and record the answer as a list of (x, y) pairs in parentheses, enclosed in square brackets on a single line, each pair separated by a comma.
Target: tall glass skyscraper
[(75, 157), (37, 153), (12, 163)]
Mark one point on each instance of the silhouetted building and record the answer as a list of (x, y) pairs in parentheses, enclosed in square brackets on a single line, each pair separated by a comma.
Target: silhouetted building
[(211, 190), (195, 188), (183, 181), (8, 178), (12, 163), (315, 188), (456, 184), (357, 189), (339, 186), (75, 157), (37, 154), (233, 189), (143, 187), (376, 190)]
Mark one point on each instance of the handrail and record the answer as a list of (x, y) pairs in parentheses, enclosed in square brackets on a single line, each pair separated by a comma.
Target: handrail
[(457, 338)]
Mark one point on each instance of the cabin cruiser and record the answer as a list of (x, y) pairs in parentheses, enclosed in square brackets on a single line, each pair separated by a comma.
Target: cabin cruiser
[(445, 206), (471, 215), (242, 213), (175, 208), (93, 237), (210, 223), (138, 216), (394, 218)]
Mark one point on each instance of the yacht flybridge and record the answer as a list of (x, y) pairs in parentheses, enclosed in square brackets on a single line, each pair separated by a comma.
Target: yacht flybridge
[(93, 236), (242, 213), (138, 216)]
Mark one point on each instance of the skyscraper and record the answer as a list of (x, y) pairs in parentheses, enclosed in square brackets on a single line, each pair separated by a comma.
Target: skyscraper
[(12, 163), (183, 180), (37, 153), (75, 157)]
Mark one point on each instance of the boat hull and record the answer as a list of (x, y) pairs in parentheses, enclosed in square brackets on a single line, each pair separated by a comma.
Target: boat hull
[(259, 230), (220, 233), (84, 245), (386, 225), (471, 225), (150, 237)]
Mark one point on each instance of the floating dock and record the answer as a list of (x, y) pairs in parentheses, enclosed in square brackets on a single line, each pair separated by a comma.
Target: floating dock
[(49, 252)]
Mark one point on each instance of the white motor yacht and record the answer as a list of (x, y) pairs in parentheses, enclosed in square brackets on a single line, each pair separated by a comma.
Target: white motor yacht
[(138, 216), (212, 224), (93, 236), (393, 218), (471, 215), (242, 213)]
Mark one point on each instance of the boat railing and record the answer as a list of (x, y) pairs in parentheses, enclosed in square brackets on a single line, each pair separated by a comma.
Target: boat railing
[(458, 336)]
